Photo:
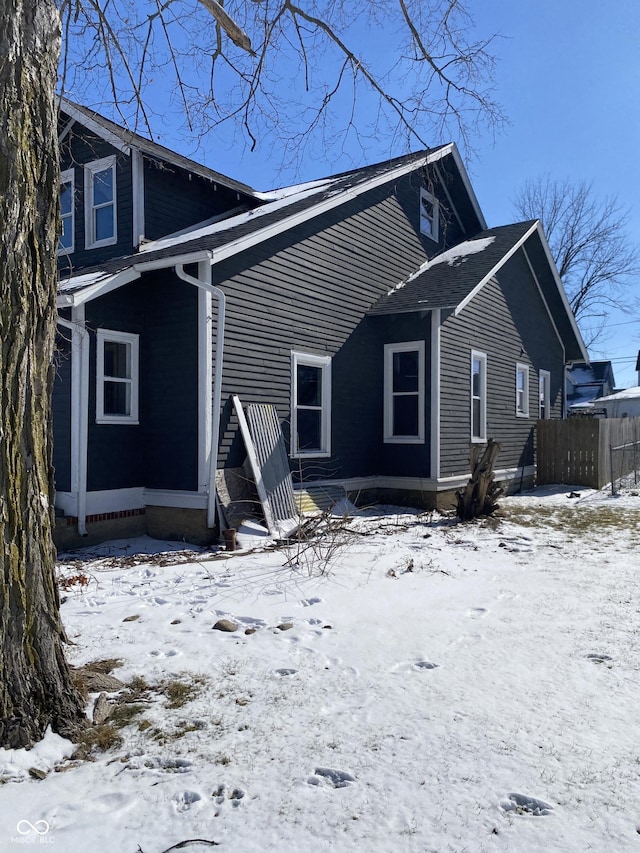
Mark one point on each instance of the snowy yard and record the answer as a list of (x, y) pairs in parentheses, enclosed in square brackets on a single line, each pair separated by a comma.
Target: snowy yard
[(436, 687)]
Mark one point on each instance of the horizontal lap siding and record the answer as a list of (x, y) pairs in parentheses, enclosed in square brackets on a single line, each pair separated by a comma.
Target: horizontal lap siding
[(61, 411), (175, 199), (508, 321), (162, 450), (309, 291)]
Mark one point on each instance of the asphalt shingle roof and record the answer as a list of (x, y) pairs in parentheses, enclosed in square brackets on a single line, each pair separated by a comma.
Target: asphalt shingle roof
[(449, 278)]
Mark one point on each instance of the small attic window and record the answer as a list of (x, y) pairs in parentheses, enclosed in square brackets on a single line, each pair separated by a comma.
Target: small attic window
[(428, 214)]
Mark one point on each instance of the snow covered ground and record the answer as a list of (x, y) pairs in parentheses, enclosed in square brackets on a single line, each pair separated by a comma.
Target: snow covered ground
[(435, 687)]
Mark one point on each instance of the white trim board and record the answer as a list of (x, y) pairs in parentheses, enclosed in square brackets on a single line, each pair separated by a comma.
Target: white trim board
[(121, 500), (416, 484)]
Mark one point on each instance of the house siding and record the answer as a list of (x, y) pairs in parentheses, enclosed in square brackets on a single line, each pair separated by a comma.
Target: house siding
[(508, 321), (161, 451), (61, 411), (80, 148), (309, 290), (175, 199)]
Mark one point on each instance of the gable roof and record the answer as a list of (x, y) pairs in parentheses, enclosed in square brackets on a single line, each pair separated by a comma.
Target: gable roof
[(452, 278), (449, 279), (125, 140), (285, 209)]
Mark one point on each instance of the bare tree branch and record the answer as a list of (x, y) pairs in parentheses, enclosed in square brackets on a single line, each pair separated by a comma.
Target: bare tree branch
[(590, 245), (315, 79)]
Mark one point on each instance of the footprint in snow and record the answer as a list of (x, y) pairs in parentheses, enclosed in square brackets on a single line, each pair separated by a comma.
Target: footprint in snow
[(425, 664), (334, 778), (183, 801), (236, 795), (308, 602), (595, 657), (477, 612), (285, 672), (523, 804)]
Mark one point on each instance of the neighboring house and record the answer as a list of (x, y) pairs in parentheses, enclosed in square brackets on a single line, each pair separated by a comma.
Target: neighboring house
[(586, 383), (623, 404), (391, 329)]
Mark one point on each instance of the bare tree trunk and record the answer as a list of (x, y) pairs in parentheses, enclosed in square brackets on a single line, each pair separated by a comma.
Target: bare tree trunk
[(35, 684)]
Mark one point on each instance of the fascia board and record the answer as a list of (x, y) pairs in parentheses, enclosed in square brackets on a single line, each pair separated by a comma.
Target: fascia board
[(93, 291), (95, 127), (462, 305)]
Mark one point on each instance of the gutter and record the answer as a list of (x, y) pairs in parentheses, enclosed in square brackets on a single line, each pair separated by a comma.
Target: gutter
[(204, 283), (80, 413)]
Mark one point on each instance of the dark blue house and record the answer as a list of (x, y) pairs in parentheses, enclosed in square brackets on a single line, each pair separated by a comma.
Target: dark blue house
[(390, 328)]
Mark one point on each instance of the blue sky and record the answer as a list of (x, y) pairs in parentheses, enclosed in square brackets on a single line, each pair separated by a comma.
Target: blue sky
[(568, 78)]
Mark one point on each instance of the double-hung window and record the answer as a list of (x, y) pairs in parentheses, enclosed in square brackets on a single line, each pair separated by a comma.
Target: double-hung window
[(310, 405), (429, 214), (478, 396), (404, 393), (522, 390), (66, 242), (100, 203), (117, 377), (544, 384)]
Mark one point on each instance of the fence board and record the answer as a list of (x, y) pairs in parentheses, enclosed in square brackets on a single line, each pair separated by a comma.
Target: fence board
[(577, 450)]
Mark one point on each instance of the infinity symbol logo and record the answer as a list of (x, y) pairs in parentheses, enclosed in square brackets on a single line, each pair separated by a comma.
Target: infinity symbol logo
[(40, 827)]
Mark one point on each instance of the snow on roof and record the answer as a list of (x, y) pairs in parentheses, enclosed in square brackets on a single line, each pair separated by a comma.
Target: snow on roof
[(76, 281), (453, 257), (285, 192), (627, 394), (458, 254)]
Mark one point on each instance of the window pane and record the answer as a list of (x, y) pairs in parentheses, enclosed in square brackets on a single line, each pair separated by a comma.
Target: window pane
[(309, 385), (476, 426), (103, 186), (66, 200), (476, 386), (309, 429), (116, 359), (405, 371), (405, 415), (104, 222), (117, 398), (66, 238)]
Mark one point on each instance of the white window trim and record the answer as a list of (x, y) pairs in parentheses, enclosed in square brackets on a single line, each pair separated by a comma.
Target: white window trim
[(323, 362), (482, 358), (89, 232), (524, 411), (544, 380), (69, 177), (102, 336), (434, 229), (389, 350)]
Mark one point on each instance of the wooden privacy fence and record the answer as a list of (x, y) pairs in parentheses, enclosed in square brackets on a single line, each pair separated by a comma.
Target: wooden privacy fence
[(578, 450)]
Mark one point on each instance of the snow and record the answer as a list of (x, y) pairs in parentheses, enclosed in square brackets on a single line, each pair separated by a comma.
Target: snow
[(453, 257), (423, 685), (459, 254), (628, 394), (83, 280)]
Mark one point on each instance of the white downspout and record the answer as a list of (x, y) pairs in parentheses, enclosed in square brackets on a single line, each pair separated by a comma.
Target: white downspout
[(204, 283), (80, 414)]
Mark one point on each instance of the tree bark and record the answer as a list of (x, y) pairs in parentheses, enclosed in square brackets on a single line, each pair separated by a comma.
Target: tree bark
[(35, 684)]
